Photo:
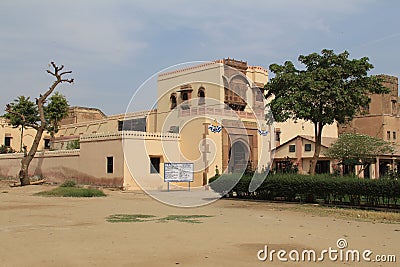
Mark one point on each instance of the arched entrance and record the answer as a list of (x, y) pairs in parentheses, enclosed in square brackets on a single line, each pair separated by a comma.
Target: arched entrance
[(239, 157)]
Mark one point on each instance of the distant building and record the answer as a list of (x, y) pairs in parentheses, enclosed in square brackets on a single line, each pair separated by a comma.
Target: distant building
[(382, 120), (300, 150), (82, 114)]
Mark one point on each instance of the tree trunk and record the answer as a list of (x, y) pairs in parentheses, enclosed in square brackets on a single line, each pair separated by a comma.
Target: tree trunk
[(318, 140), (23, 173), (26, 160), (22, 136)]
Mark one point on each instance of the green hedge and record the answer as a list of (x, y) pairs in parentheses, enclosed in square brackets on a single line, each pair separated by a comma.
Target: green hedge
[(327, 189)]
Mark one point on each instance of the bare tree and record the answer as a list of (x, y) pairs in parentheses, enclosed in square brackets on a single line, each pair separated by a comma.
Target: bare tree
[(41, 125)]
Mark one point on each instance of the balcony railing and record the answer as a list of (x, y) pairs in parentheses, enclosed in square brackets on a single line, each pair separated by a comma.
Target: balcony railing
[(196, 111)]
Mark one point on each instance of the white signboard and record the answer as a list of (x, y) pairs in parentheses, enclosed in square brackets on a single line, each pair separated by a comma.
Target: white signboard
[(178, 172)]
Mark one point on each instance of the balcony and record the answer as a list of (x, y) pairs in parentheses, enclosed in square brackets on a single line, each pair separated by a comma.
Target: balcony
[(201, 111)]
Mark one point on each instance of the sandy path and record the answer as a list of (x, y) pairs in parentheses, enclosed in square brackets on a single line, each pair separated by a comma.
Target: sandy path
[(38, 231)]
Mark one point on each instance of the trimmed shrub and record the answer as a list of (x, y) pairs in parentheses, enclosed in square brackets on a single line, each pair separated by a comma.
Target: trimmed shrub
[(323, 188)]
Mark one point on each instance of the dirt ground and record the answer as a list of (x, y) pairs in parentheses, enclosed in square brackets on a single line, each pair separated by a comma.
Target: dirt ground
[(42, 231)]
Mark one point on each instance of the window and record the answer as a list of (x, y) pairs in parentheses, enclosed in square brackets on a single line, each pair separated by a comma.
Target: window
[(394, 110), (154, 164), (201, 94), (138, 124), (394, 135), (234, 101), (307, 147), (292, 148), (46, 143), (278, 136), (120, 125), (7, 141), (173, 101), (110, 164), (184, 96), (388, 135)]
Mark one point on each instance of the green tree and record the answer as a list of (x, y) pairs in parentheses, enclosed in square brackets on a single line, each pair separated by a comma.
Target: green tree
[(358, 149), (27, 114), (45, 121), (331, 87), (55, 111)]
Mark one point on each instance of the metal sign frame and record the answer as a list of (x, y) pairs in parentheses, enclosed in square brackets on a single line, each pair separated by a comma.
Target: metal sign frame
[(186, 164)]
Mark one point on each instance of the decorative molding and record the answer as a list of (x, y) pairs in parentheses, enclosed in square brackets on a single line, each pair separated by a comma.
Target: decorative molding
[(190, 68), (43, 154), (127, 134)]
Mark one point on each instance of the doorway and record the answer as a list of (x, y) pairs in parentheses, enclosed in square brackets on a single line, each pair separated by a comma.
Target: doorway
[(238, 157)]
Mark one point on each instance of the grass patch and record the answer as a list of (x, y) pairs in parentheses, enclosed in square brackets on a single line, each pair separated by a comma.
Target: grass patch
[(128, 218), (183, 218), (147, 218), (72, 192)]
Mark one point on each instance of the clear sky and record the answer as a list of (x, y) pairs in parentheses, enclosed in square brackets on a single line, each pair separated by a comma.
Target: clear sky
[(112, 47)]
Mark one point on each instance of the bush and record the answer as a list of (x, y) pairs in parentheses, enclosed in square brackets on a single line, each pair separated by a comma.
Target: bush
[(69, 183), (6, 149), (74, 144), (305, 188)]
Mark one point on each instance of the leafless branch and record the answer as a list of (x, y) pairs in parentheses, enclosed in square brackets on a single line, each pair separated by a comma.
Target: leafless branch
[(65, 72), (67, 80)]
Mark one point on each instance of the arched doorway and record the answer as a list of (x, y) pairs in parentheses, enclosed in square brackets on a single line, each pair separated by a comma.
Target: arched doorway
[(238, 157)]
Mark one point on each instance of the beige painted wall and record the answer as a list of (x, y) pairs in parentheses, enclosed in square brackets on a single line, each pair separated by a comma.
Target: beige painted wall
[(55, 166), (137, 147), (257, 74), (95, 149), (291, 129), (15, 133), (300, 156), (87, 165)]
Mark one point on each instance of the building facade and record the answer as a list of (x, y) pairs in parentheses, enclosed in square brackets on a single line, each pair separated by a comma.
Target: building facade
[(381, 119), (212, 115)]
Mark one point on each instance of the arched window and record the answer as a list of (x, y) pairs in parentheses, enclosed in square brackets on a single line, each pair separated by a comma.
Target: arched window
[(173, 101), (201, 95), (184, 96)]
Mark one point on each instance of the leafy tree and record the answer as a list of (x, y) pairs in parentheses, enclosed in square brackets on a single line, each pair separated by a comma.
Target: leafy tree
[(330, 88), (358, 149), (27, 114), (55, 111), (47, 119)]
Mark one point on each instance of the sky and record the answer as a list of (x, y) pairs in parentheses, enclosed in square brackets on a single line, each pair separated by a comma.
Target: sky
[(113, 47)]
